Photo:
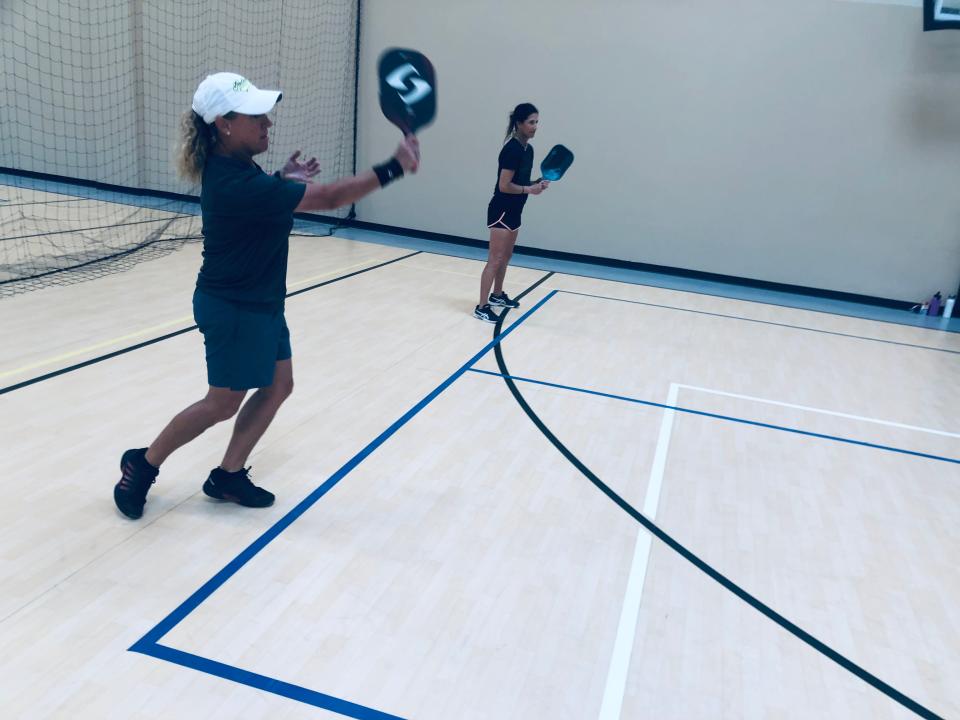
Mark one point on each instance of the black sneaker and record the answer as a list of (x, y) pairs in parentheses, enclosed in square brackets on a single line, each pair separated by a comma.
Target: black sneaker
[(138, 475), (503, 300), (485, 313), (236, 487)]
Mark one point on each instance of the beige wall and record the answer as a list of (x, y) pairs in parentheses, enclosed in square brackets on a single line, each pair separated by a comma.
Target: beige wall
[(813, 143)]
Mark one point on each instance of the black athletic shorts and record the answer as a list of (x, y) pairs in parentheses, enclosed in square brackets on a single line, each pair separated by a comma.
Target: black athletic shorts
[(504, 215)]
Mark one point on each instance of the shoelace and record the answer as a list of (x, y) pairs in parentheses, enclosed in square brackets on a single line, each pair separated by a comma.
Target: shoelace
[(245, 479)]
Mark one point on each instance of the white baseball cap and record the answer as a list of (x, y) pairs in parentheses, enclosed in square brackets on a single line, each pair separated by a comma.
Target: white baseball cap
[(225, 92)]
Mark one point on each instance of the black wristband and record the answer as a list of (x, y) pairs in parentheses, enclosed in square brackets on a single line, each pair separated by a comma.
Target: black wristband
[(388, 171)]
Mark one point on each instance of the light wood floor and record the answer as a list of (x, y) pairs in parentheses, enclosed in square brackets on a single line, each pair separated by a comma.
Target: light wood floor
[(462, 567)]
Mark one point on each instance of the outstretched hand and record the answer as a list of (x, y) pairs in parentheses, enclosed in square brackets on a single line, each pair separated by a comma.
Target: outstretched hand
[(300, 171), (408, 154)]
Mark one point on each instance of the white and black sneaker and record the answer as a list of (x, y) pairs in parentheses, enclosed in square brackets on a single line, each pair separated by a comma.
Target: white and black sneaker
[(485, 313), (503, 300)]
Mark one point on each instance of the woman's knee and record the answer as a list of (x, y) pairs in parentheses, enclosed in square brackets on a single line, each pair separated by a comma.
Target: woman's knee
[(282, 386), (497, 260), (222, 406)]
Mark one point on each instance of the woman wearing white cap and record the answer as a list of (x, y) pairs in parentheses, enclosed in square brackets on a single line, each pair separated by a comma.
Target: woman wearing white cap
[(239, 299)]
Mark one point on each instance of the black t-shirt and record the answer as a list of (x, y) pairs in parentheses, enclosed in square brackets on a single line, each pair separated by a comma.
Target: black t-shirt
[(514, 157), (247, 218)]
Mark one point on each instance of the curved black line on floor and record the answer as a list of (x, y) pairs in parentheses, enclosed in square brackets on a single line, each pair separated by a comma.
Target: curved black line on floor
[(687, 555), (123, 351)]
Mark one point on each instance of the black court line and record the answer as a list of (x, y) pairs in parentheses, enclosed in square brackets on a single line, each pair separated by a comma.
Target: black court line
[(98, 192), (694, 560), (52, 202), (124, 351), (98, 227), (105, 259), (776, 324), (525, 261)]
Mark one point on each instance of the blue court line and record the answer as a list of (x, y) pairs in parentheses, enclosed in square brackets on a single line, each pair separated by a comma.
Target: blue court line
[(767, 322), (149, 643), (262, 682), (729, 418)]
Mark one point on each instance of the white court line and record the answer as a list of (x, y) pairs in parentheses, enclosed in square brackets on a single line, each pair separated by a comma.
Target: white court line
[(627, 628), (847, 416), (616, 685)]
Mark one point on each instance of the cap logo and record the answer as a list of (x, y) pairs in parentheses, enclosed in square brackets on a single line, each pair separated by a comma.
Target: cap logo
[(242, 85)]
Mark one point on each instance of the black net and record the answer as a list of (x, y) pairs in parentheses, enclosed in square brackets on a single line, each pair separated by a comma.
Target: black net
[(93, 92)]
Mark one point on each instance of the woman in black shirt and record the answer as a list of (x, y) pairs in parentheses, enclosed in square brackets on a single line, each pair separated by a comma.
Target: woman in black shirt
[(503, 213), (239, 300)]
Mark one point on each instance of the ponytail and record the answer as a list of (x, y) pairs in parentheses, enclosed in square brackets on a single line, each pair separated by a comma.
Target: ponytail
[(197, 139)]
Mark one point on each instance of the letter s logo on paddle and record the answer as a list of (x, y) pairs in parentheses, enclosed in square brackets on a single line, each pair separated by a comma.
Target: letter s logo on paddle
[(397, 80)]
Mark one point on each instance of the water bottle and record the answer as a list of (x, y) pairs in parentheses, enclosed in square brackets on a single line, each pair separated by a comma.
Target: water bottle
[(934, 308), (948, 308)]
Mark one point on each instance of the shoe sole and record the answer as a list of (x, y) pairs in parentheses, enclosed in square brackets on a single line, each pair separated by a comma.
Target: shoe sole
[(121, 506)]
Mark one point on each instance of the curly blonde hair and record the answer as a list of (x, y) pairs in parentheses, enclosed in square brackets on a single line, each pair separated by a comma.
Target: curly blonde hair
[(197, 139)]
